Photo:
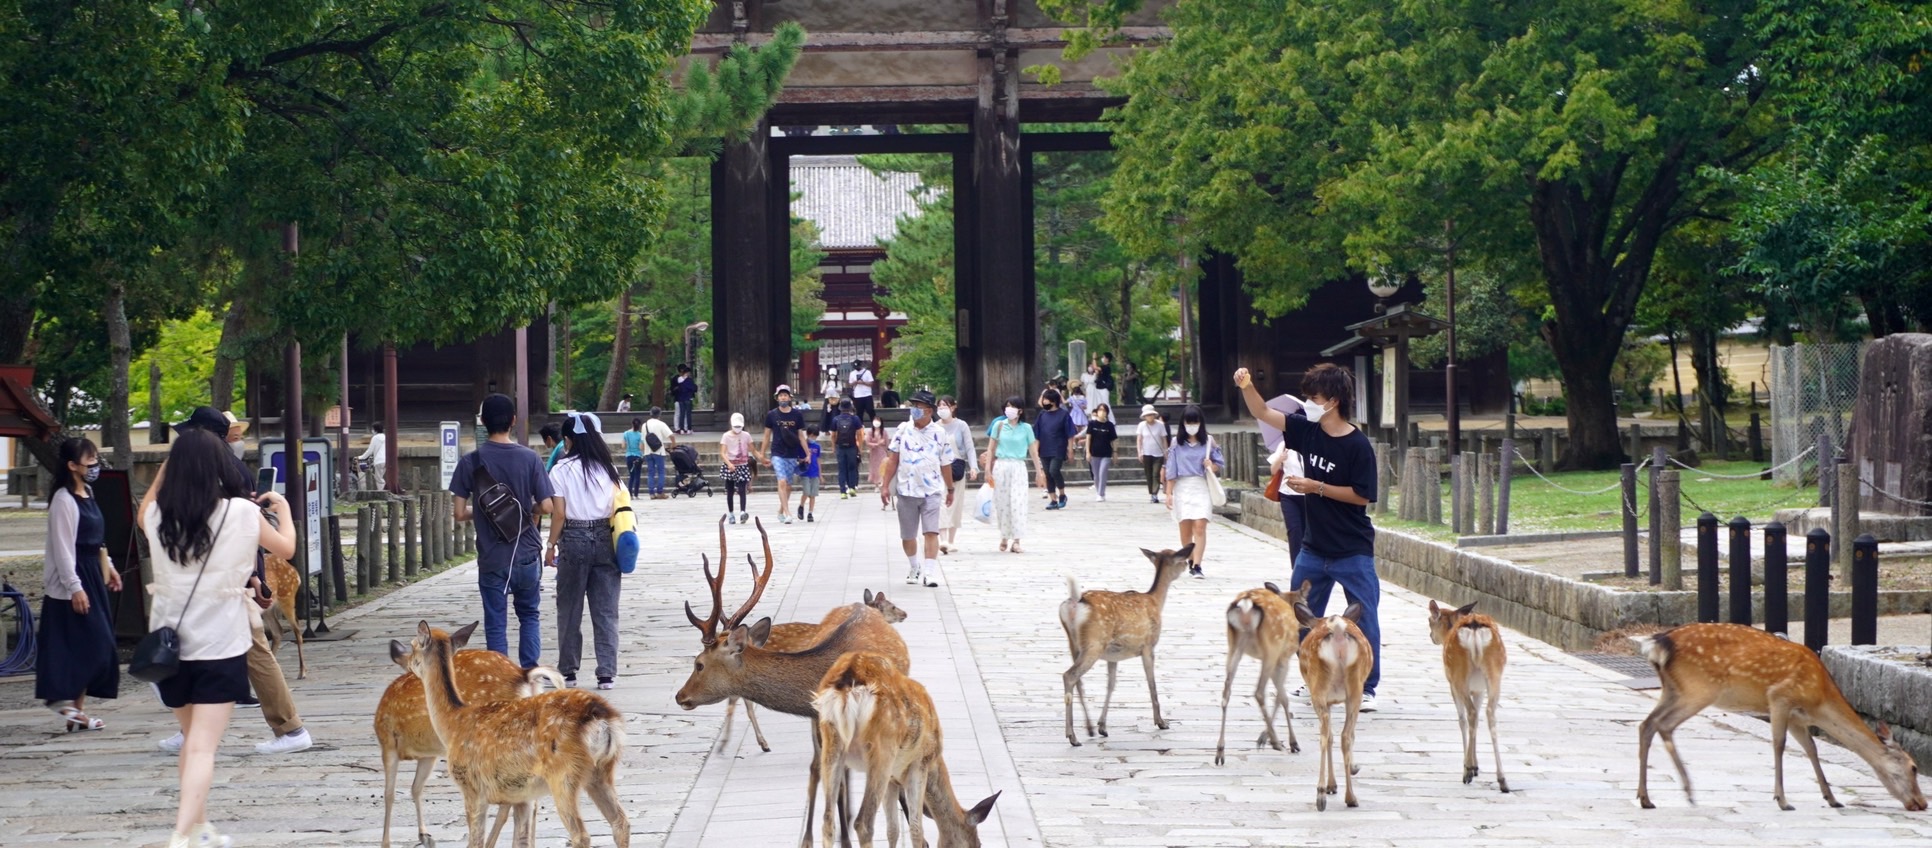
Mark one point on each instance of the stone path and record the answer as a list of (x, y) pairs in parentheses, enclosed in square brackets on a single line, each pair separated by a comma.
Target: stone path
[(989, 648)]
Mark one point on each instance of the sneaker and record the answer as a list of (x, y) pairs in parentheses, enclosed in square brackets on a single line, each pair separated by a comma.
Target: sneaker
[(1195, 570), (606, 683), (744, 518), (289, 744), (730, 518), (811, 518), (204, 836), (801, 512), (1154, 499), (784, 518), (1368, 702), (1053, 505), (171, 744), (570, 682), (912, 576)]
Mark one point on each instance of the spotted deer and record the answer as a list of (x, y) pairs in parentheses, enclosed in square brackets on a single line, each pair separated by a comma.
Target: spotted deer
[(1472, 658), (730, 662), (1113, 626), (1262, 624), (797, 636), (284, 583), (403, 730), (1743, 669), (872, 718), (1335, 663), (515, 752)]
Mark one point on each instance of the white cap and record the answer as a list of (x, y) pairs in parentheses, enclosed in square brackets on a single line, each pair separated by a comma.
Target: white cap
[(737, 419)]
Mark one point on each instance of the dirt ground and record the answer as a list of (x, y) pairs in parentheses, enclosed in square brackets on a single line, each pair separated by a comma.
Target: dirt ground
[(1573, 559)]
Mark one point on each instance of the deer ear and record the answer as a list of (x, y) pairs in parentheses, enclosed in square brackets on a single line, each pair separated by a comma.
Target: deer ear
[(737, 639), (868, 597), (1433, 609), (1185, 550), (462, 636), (1151, 556), (398, 653), (1272, 588), (1307, 587), (1884, 732), (422, 629), (1466, 609), (1304, 616), (1355, 612), (761, 632), (982, 810)]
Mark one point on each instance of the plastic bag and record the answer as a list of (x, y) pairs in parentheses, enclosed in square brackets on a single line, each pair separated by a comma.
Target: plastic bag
[(983, 506)]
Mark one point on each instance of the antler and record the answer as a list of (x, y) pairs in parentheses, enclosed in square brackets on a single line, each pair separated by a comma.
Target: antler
[(758, 587), (709, 626)]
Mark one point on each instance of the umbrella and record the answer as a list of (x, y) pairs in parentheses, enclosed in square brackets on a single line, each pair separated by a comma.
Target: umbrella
[(1286, 405)]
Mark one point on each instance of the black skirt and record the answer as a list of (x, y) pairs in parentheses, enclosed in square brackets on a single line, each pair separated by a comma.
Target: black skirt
[(77, 655)]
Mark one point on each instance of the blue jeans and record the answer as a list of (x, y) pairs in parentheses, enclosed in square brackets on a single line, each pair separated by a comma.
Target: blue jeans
[(1360, 585), (636, 464), (654, 472), (1293, 520), (681, 420), (524, 581), (848, 469)]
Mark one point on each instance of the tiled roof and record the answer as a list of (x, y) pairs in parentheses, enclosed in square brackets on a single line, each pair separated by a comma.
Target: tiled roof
[(851, 206)]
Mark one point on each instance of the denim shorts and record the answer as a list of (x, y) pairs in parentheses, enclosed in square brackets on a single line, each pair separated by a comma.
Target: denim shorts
[(784, 467)]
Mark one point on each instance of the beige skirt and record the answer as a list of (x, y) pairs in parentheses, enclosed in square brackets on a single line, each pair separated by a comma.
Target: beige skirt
[(1191, 502)]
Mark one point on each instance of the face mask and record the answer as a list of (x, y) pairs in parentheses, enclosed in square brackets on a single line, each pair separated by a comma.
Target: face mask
[(1192, 429), (239, 448), (93, 472), (918, 414), (1315, 411), (737, 428), (1012, 413), (945, 413), (785, 403)]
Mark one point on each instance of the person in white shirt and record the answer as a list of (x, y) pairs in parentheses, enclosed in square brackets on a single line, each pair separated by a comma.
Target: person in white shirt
[(625, 404), (1287, 462), (829, 390), (919, 470), (581, 551), (862, 381), (377, 455), (1150, 439), (654, 459)]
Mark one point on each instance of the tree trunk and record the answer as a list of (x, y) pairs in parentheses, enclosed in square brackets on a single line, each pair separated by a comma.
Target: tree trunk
[(1710, 390), (566, 360), (157, 428), (16, 321), (660, 375), (620, 354), (228, 352), (114, 415)]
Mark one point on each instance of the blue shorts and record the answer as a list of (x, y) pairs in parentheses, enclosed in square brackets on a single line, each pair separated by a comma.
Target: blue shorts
[(784, 467)]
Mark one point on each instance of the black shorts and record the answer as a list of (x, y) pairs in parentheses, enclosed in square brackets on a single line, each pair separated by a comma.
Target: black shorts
[(222, 681)]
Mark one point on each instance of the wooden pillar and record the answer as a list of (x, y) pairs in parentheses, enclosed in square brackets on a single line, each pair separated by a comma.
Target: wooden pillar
[(751, 316), (391, 422), (1000, 340)]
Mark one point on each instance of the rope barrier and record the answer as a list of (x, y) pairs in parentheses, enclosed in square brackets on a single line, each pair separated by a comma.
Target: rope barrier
[(1604, 490), (1800, 494), (1893, 495), (1779, 467)]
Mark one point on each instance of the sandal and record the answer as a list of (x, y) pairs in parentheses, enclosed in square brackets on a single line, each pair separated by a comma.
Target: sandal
[(1015, 549), (1002, 546), (77, 720)]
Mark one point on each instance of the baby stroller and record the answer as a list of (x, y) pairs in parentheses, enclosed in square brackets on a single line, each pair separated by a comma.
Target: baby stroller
[(690, 479)]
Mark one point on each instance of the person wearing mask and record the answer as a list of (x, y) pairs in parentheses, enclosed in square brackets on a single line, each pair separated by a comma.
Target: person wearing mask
[(783, 448), (77, 654), (735, 451), (507, 567), (581, 552), (654, 457), (1287, 462), (889, 399), (808, 476), (1099, 439), (1010, 442), (625, 404), (876, 442), (203, 529), (1056, 432), (377, 456), (553, 445), (847, 432), (965, 466), (1077, 406), (829, 390), (861, 381), (1339, 462), (1103, 382), (237, 432), (1151, 440), (684, 390), (633, 456), (1192, 457), (919, 470)]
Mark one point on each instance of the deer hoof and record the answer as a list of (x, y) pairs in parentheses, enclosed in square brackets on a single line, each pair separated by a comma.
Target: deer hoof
[(1352, 771), (1160, 723), (1220, 757), (1103, 731), (1294, 748), (1501, 784), (1468, 777), (1072, 741), (1351, 800), (1644, 802), (1321, 801), (1782, 805)]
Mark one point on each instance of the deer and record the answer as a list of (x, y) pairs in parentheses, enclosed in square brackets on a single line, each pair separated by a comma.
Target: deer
[(1262, 624), (1113, 626), (1335, 663), (730, 662), (283, 584), (797, 636), (515, 752), (1743, 669), (872, 718), (1472, 657), (403, 731)]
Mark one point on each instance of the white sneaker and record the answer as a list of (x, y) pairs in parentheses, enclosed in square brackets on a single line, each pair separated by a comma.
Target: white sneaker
[(297, 741), (172, 744), (1368, 703), (744, 518), (912, 575), (784, 518), (204, 836), (731, 518)]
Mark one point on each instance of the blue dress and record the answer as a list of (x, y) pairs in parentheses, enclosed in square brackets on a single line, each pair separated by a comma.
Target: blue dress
[(77, 654)]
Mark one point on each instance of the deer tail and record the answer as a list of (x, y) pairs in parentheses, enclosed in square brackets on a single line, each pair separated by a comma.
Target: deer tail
[(535, 677), (1244, 617), (845, 710), (1475, 639), (1657, 648), (1073, 589), (604, 739)]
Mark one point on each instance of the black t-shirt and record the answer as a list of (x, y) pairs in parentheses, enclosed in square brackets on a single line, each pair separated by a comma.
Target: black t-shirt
[(785, 427), (1104, 379), (684, 388), (889, 399), (520, 469), (845, 429), (1055, 429), (1100, 439), (1335, 529)]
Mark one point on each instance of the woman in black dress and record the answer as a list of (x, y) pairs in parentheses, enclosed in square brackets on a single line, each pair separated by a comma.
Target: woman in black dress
[(77, 658)]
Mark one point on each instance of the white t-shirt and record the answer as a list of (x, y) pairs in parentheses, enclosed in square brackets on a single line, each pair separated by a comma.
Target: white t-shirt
[(663, 432), (860, 380), (830, 388), (377, 453), (216, 624), (586, 496), (1290, 467)]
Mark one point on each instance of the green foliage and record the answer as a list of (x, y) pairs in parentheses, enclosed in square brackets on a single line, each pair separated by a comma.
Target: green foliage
[(1638, 368), (808, 308), (185, 350), (917, 276)]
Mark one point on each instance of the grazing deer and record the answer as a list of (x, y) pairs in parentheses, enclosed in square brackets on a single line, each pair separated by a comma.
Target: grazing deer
[(797, 636), (1113, 626), (515, 752), (874, 719), (1742, 669), (730, 662), (284, 583), (1262, 624), (403, 730), (1473, 658), (1335, 663)]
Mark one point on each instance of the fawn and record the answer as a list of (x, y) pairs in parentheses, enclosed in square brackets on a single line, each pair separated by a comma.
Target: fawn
[(1113, 626), (1743, 669), (404, 733), (797, 636), (1473, 658), (284, 583), (515, 752), (1262, 624), (873, 718), (1335, 663)]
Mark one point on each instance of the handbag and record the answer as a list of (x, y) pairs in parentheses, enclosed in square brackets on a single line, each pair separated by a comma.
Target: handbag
[(157, 656), (1273, 492), (1217, 494)]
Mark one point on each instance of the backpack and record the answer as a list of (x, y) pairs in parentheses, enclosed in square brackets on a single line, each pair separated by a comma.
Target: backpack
[(652, 441), (498, 503)]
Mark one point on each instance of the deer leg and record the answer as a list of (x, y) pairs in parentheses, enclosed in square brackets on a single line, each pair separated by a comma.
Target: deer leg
[(757, 732), (1267, 715), (389, 764), (425, 766), (916, 814), (1803, 733), (825, 765), (731, 712), (1070, 681), (1153, 691), (603, 793), (301, 660), (1671, 711), (1780, 724), (1325, 775), (1281, 704), (877, 790), (1496, 747), (476, 811), (1348, 746), (1113, 671), (1466, 728), (1227, 689), (504, 813), (525, 815), (565, 797)]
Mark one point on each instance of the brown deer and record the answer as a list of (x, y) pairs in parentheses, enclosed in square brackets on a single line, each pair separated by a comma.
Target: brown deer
[(1335, 663), (797, 636), (874, 719), (403, 730), (1742, 669), (730, 662), (284, 583), (1472, 657), (1114, 626), (1262, 624), (515, 752)]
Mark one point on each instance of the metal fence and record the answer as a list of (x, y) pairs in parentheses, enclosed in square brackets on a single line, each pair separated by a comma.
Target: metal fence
[(1813, 390)]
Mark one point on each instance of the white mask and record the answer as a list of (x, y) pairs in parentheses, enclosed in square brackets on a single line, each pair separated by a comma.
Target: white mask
[(1313, 410), (1192, 429), (737, 428), (945, 413), (1012, 413), (240, 449)]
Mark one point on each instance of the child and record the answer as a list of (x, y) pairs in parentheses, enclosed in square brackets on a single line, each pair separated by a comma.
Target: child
[(809, 501)]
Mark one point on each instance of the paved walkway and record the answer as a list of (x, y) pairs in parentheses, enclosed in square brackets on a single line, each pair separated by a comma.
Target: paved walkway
[(989, 648)]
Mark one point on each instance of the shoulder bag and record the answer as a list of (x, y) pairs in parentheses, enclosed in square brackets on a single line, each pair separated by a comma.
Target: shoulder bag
[(1217, 495), (158, 655), (623, 529), (499, 505)]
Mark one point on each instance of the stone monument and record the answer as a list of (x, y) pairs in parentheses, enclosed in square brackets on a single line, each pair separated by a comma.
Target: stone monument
[(1891, 433)]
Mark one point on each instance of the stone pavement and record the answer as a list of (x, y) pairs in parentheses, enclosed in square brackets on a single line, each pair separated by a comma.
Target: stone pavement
[(990, 649)]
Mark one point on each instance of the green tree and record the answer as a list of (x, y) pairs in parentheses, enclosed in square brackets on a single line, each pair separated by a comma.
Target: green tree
[(917, 277)]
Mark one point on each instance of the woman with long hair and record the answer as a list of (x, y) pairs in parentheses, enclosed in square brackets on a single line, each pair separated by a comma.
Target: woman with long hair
[(76, 638), (965, 467), (876, 440), (581, 552), (202, 531), (1010, 442), (1193, 456)]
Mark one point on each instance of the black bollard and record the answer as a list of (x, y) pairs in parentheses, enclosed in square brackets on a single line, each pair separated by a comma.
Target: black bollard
[(1707, 568), (1864, 590), (1817, 589), (1777, 600), (1741, 570), (1629, 509)]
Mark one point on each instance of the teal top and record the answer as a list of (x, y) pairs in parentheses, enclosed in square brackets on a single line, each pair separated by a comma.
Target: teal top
[(556, 453), (1010, 442), (633, 443)]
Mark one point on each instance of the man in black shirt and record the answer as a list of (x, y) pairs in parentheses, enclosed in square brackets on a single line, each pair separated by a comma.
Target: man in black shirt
[(845, 427), (890, 398), (784, 449), (1340, 463)]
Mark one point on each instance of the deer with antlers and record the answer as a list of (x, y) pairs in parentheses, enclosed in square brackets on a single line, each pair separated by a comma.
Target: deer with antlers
[(872, 718), (730, 662), (797, 636), (1262, 624), (1472, 657), (1113, 626), (1335, 662), (515, 752), (403, 730), (283, 584), (1743, 669)]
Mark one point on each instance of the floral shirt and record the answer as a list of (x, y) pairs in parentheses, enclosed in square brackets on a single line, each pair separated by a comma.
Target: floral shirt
[(923, 454)]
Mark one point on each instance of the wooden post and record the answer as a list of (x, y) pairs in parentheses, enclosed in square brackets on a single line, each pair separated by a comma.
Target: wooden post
[(1381, 505), (409, 537), (1672, 521), (392, 443), (365, 548), (1546, 450), (1657, 462), (1756, 435), (1845, 510), (1432, 462), (1456, 481), (1505, 467), (394, 520)]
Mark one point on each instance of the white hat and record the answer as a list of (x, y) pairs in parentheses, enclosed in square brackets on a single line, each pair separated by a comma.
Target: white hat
[(579, 420), (1147, 409), (782, 389), (737, 419)]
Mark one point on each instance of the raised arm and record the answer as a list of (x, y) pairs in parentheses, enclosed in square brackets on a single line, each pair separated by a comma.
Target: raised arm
[(1256, 406)]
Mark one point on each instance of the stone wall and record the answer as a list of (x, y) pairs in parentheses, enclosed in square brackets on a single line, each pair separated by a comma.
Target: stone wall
[(1887, 690)]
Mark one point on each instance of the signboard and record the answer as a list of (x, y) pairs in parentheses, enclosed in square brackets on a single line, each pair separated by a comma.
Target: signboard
[(316, 452), (446, 437), (1388, 386), (312, 491)]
